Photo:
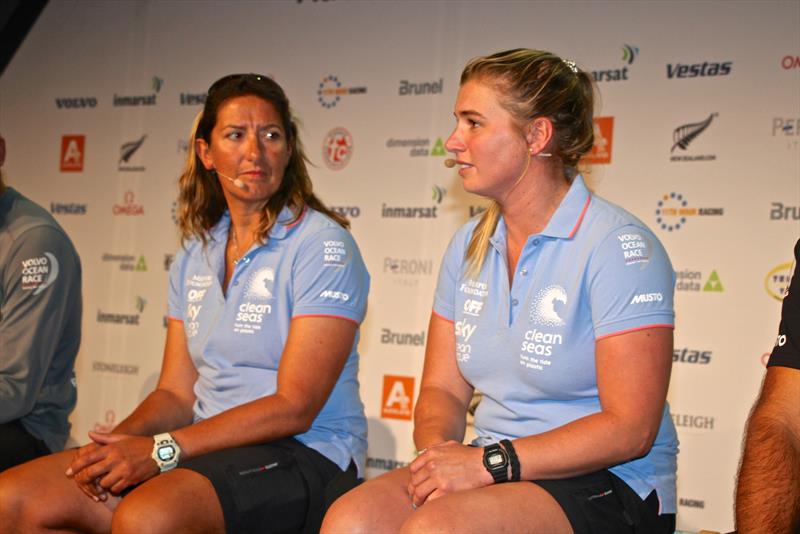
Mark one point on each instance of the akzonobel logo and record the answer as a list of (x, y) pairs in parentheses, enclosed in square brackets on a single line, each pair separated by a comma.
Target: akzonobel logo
[(398, 397)]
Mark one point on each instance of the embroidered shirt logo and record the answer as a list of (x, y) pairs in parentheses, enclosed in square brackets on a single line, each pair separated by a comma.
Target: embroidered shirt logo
[(39, 273), (260, 284), (546, 305)]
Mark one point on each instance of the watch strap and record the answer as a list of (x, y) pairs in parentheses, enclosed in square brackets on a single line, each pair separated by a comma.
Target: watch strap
[(512, 458)]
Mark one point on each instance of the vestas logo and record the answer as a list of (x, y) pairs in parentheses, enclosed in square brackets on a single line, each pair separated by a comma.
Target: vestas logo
[(438, 193), (126, 152), (686, 355), (71, 208), (629, 53), (699, 70)]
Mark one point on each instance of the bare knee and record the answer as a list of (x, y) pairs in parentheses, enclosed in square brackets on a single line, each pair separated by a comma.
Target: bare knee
[(343, 516), (430, 522), (139, 514)]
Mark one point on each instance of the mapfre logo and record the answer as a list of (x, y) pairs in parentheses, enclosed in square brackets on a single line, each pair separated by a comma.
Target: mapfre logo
[(398, 397), (603, 141), (337, 149), (72, 151)]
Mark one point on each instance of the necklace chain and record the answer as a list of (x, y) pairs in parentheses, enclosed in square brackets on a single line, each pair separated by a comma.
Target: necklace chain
[(237, 256)]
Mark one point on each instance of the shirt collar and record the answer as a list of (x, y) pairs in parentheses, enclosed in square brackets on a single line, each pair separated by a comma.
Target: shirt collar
[(565, 221)]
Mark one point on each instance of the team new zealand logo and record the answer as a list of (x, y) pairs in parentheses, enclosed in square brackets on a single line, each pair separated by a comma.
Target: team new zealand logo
[(548, 306)]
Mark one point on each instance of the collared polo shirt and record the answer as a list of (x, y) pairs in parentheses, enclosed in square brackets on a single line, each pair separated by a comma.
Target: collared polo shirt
[(308, 267), (594, 271)]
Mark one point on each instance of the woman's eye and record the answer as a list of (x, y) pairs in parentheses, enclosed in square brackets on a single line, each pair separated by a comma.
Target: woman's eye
[(272, 135), (234, 135), (472, 123)]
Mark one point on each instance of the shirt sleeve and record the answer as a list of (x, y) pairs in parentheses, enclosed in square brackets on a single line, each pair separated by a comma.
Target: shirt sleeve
[(787, 346), (449, 275), (175, 292), (329, 276), (41, 300), (631, 283)]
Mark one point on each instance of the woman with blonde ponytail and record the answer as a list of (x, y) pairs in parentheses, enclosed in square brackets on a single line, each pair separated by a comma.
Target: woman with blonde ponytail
[(556, 306)]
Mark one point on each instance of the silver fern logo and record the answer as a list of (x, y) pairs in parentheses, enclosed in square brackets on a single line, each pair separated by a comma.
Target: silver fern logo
[(684, 135), (126, 152)]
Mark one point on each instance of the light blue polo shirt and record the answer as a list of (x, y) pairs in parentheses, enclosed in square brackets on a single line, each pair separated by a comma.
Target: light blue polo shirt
[(309, 267), (594, 271)]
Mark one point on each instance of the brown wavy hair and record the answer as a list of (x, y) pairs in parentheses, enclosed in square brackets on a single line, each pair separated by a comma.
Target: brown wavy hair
[(201, 202), (532, 84)]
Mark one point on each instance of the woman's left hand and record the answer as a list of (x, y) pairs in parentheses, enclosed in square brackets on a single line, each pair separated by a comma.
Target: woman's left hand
[(121, 461), (446, 468)]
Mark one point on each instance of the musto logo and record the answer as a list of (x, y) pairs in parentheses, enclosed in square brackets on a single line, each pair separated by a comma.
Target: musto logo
[(337, 149), (39, 273), (673, 211)]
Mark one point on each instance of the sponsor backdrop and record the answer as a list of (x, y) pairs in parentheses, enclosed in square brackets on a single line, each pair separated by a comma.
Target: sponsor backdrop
[(698, 134)]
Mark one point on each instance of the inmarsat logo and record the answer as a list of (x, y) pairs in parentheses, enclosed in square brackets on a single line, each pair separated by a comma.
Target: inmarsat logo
[(126, 152), (672, 211), (543, 308), (416, 212), (683, 136), (629, 55), (331, 90), (438, 193), (337, 149), (39, 273), (156, 84)]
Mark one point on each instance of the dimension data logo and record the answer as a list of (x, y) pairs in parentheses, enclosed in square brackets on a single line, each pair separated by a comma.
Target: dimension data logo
[(777, 280), (127, 262), (126, 152), (156, 84), (418, 146), (706, 69), (673, 211), (616, 74), (682, 137), (330, 91), (76, 103), (337, 149), (691, 280), (421, 88)]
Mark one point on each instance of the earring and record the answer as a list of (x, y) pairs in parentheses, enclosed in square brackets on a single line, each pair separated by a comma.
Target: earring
[(539, 155)]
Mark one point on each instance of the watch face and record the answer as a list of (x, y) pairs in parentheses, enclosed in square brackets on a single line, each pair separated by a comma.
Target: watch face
[(166, 453), (495, 460)]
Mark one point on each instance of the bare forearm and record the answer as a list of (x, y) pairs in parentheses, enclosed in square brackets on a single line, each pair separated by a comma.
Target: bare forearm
[(161, 411), (768, 491), (439, 417), (266, 419), (585, 445)]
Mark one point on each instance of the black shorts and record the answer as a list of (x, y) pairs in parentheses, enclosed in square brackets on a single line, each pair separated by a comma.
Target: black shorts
[(282, 486), (18, 446), (602, 503)]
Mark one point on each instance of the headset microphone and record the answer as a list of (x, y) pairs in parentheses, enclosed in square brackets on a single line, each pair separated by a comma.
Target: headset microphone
[(237, 182), (449, 163)]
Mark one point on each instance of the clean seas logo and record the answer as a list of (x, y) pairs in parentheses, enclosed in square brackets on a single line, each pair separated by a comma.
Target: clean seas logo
[(253, 309), (629, 54), (408, 88), (130, 319), (547, 305), (68, 208), (39, 273), (127, 262), (683, 135), (73, 148), (416, 212), (603, 141), (706, 69), (398, 397), (76, 103), (126, 153), (330, 91), (128, 206), (687, 355), (673, 211), (692, 280), (418, 146), (546, 310), (407, 271), (156, 84), (337, 148), (777, 280)]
